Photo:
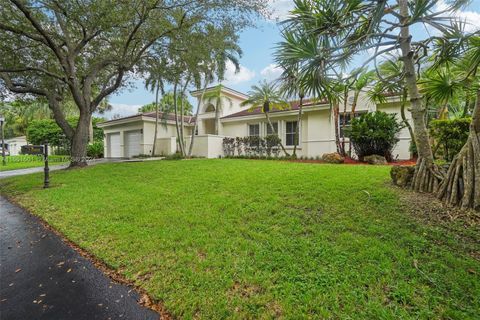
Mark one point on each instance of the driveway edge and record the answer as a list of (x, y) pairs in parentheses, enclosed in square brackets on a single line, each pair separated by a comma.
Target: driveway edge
[(116, 276)]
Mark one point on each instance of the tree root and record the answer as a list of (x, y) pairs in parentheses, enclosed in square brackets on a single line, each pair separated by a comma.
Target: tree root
[(426, 177), (461, 186)]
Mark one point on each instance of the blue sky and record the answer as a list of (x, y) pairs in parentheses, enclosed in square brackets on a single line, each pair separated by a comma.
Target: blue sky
[(257, 60)]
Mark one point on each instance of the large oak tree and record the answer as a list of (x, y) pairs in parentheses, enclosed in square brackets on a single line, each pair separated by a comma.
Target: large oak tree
[(86, 50)]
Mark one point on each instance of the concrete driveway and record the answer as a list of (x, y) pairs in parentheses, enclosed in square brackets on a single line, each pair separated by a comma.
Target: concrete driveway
[(41, 277)]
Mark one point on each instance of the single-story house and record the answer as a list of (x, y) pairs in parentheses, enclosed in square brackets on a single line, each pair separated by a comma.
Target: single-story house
[(14, 145), (134, 135)]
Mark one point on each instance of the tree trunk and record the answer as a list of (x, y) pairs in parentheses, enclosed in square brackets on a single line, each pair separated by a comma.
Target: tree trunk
[(156, 120), (182, 126), (345, 101), (404, 117), (352, 115), (299, 119), (175, 107), (190, 149), (90, 130), (336, 125), (79, 141), (426, 176), (273, 130), (461, 186)]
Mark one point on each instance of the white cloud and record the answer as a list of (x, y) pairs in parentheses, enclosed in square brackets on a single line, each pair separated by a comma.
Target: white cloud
[(123, 110), (271, 72), (243, 75), (280, 9), (471, 18)]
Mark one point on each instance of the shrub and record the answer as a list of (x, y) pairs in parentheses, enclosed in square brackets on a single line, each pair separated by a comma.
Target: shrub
[(374, 133), (95, 150), (450, 135), (174, 156), (228, 146), (272, 143)]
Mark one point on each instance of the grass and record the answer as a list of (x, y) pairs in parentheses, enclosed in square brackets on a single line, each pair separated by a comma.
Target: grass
[(27, 161), (261, 239)]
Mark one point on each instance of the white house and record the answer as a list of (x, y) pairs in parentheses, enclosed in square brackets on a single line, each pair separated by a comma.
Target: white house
[(134, 135), (14, 145)]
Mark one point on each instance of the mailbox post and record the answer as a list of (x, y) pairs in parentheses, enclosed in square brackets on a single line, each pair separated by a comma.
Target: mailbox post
[(46, 169)]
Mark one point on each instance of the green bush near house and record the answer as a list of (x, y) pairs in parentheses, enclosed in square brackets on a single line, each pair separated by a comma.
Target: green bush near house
[(95, 150), (374, 133), (450, 135)]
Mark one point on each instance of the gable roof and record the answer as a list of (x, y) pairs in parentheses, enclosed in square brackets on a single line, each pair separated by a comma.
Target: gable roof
[(294, 105)]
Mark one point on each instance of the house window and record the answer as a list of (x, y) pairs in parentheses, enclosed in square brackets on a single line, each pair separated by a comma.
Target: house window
[(269, 129), (344, 121), (210, 108), (290, 133), (254, 129)]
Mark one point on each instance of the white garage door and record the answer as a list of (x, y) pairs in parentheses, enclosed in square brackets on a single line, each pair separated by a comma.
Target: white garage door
[(132, 143), (114, 145)]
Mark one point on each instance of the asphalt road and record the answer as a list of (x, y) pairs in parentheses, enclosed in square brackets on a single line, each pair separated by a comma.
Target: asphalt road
[(41, 277)]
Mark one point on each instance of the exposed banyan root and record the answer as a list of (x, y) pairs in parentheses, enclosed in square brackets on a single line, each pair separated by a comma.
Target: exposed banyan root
[(426, 177), (461, 186)]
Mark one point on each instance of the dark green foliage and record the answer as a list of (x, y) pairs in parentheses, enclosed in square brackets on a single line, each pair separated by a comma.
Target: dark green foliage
[(95, 150), (174, 156), (228, 146), (374, 133), (166, 104), (272, 141), (47, 130), (449, 136)]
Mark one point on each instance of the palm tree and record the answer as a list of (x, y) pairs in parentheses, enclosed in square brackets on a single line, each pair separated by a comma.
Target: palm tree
[(155, 82), (267, 97), (222, 49), (343, 29), (461, 186), (290, 81), (389, 79), (216, 98), (439, 86)]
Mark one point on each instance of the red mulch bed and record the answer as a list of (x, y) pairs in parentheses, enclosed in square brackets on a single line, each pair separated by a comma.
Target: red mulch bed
[(351, 161)]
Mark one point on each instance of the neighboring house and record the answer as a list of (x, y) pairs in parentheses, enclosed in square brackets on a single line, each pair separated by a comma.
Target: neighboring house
[(129, 136), (14, 145)]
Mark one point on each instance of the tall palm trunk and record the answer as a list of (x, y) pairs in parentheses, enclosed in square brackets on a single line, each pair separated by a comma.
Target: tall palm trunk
[(352, 115), (177, 125), (156, 120), (336, 111), (190, 149), (345, 101), (297, 131), (461, 186), (426, 176), (267, 116)]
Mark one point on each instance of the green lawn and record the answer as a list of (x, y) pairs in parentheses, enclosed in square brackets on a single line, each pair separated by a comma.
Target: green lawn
[(261, 239), (23, 162)]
